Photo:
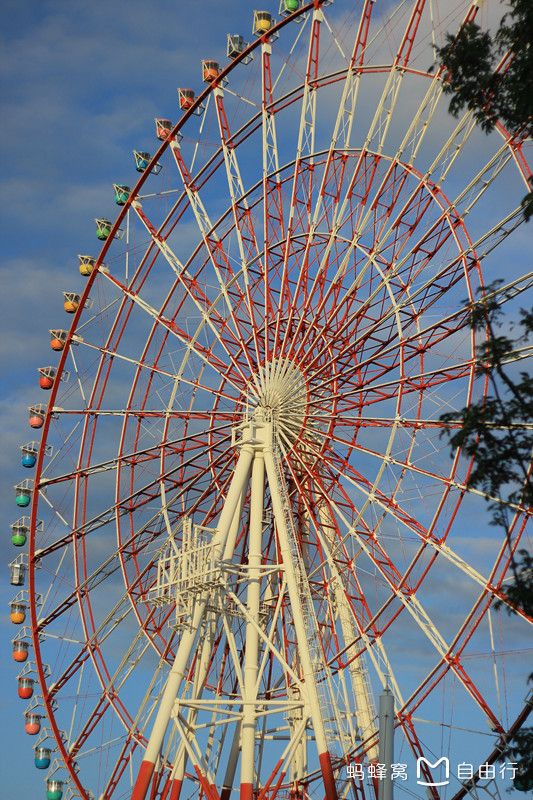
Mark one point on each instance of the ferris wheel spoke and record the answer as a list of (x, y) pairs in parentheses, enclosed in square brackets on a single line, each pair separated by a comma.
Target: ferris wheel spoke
[(421, 339), (437, 543), (412, 525), (152, 490), (412, 342), (363, 629), (425, 423), (496, 162), (419, 127), (377, 554), (451, 150), (389, 507), (345, 115), (377, 132), (375, 139), (115, 354), (104, 709), (273, 221), (452, 272), (218, 257), (471, 194), (123, 761), (195, 489), (374, 645), (191, 344), (333, 171), (82, 656), (135, 413), (121, 508), (243, 223), (451, 662), (430, 630), (66, 438), (399, 226), (388, 349), (302, 185), (247, 241), (146, 454), (207, 310), (488, 241), (95, 639), (407, 466), (417, 383), (92, 319), (130, 743)]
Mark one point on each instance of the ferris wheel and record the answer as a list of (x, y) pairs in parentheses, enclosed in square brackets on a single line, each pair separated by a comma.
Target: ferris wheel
[(244, 524)]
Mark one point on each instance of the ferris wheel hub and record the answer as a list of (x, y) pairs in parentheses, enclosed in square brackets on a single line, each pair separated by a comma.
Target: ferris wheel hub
[(281, 390)]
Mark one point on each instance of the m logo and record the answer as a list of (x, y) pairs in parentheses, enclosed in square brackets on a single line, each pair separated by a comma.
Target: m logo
[(442, 760)]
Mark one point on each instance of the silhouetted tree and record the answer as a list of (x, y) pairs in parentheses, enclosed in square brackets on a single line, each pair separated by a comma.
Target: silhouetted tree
[(493, 77)]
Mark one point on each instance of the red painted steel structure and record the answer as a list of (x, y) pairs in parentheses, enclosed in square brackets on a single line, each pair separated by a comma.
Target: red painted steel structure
[(355, 357)]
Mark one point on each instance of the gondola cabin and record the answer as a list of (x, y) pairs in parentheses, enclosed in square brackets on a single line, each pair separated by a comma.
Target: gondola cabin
[(18, 613), (103, 229), (32, 724), (29, 454), (43, 756), (46, 377), (54, 789), (122, 194), (20, 651), (87, 265), (288, 7), (210, 70), (25, 688), (141, 160), (58, 340), (28, 460), (185, 98), (72, 302), (18, 571), (18, 538), (236, 45), (23, 498), (23, 494), (263, 22), (37, 415), (163, 128)]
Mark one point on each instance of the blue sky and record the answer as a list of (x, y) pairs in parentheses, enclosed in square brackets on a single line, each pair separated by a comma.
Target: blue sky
[(81, 85)]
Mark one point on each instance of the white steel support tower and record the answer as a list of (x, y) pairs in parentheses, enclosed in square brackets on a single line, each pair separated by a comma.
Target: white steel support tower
[(211, 591)]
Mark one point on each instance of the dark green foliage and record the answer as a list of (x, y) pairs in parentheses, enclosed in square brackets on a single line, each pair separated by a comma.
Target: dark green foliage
[(497, 432), (519, 749), (493, 77), (520, 593), (469, 60)]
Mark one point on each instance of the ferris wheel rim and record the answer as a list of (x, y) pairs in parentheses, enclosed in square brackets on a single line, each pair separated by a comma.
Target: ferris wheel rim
[(121, 216)]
